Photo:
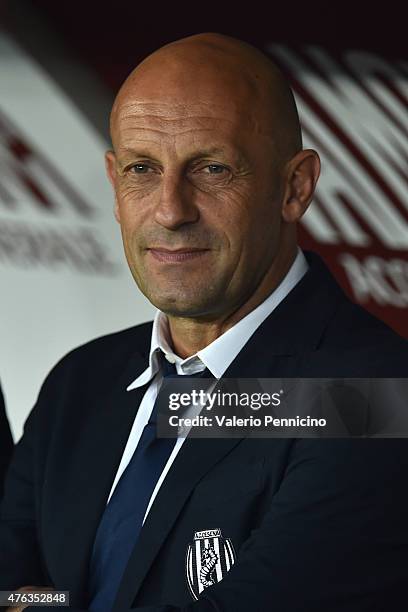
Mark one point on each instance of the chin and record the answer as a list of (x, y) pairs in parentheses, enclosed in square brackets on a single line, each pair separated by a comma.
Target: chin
[(181, 306)]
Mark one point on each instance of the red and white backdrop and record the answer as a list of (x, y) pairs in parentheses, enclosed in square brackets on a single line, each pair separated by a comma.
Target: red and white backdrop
[(63, 276), (353, 110)]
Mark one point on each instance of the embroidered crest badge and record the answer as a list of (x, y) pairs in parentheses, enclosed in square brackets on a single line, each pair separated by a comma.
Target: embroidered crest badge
[(209, 557)]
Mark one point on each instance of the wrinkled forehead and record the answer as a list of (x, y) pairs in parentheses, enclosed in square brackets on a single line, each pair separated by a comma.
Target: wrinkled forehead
[(174, 115), (186, 129), (177, 114)]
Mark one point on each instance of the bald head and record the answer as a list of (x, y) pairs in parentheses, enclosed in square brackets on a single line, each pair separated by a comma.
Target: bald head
[(209, 177), (214, 70)]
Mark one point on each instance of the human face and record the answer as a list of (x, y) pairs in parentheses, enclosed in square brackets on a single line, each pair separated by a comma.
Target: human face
[(198, 200)]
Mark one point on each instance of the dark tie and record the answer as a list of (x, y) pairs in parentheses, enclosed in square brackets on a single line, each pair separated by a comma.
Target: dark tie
[(122, 519)]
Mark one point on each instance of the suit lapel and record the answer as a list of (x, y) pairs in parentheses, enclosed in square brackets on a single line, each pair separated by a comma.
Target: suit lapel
[(81, 493), (191, 464), (278, 348)]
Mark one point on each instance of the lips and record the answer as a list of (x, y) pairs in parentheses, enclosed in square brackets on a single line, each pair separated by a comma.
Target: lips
[(176, 255)]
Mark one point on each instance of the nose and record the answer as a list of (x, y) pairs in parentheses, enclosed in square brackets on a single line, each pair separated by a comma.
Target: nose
[(176, 204)]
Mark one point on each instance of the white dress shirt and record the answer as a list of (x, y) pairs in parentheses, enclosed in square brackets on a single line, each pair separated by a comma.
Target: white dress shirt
[(217, 357)]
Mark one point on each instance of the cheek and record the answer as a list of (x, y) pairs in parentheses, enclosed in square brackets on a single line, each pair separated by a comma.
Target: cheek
[(132, 210), (253, 229), (134, 197), (131, 230), (266, 219), (229, 213)]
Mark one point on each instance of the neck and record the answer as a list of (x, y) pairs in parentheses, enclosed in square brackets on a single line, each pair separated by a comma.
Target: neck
[(190, 335)]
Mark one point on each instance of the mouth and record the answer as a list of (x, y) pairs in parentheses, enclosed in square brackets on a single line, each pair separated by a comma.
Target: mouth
[(176, 255)]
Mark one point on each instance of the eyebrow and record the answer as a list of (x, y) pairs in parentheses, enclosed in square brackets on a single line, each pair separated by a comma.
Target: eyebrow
[(206, 152)]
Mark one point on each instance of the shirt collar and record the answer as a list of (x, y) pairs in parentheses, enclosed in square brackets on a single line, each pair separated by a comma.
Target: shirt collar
[(219, 355)]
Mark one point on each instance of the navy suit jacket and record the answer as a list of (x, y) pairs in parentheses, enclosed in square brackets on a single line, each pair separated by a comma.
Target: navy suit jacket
[(6, 442), (313, 525)]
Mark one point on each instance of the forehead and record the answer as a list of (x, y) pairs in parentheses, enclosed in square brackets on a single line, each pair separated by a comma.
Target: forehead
[(172, 122)]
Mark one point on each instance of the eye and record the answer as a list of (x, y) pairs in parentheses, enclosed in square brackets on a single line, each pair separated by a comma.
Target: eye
[(140, 169), (211, 174), (215, 169)]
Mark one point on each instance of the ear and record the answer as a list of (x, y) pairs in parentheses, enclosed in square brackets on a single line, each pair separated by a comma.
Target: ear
[(110, 165), (302, 173)]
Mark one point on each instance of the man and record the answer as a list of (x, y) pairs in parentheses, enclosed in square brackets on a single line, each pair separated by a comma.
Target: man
[(210, 180), (6, 442)]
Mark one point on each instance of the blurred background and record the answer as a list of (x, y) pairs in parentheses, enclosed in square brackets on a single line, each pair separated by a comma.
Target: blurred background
[(63, 277)]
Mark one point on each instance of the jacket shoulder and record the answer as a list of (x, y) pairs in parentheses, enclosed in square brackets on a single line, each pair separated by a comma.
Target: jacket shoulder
[(105, 354), (358, 344), (353, 326)]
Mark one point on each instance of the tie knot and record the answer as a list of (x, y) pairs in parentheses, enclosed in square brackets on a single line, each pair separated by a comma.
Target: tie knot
[(168, 369)]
